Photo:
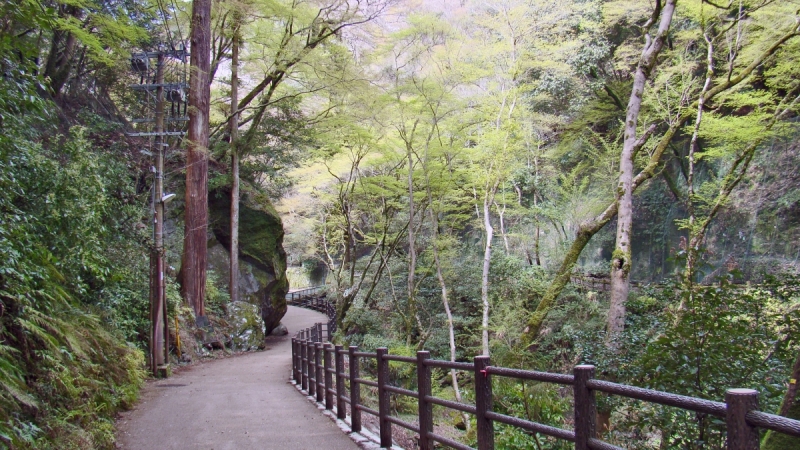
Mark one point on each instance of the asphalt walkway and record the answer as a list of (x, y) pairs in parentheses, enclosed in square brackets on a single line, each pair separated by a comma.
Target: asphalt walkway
[(237, 403)]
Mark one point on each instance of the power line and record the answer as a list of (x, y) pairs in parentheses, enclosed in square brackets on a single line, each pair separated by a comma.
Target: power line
[(177, 24), (165, 23)]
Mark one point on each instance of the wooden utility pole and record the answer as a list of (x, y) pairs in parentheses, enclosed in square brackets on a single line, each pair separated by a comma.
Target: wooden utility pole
[(159, 345)]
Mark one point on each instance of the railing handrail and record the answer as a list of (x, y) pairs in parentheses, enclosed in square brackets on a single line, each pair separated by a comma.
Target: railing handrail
[(308, 350)]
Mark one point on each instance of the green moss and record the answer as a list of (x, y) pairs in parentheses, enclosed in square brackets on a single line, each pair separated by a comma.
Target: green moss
[(625, 257), (260, 244), (780, 441)]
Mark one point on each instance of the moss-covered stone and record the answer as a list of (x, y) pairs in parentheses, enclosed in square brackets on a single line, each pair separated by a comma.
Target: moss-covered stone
[(779, 441), (261, 254)]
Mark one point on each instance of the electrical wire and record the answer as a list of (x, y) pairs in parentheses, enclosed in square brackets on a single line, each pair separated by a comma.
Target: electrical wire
[(177, 24)]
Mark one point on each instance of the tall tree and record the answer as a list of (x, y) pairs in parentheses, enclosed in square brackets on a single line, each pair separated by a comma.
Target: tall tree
[(621, 258), (234, 135), (771, 42), (195, 248)]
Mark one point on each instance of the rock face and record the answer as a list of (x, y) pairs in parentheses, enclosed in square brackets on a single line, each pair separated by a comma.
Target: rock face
[(262, 260)]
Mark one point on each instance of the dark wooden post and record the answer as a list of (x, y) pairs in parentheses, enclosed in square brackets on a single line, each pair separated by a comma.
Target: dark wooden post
[(298, 346), (383, 397), (585, 410), (341, 411), (318, 379), (483, 403), (294, 360), (319, 332), (312, 369), (313, 334), (355, 391), (425, 407), (739, 402), (328, 348), (304, 363)]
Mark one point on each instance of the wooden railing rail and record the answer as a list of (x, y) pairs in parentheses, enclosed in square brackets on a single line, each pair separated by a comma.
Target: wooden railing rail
[(314, 298), (319, 369)]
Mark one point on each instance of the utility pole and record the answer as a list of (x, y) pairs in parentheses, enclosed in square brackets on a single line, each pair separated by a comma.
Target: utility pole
[(155, 92), (158, 307)]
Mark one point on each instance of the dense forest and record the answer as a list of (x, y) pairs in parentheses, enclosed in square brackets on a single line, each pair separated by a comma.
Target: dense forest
[(546, 182)]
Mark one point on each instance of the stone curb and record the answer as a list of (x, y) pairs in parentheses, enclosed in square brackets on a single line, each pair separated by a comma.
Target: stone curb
[(365, 439)]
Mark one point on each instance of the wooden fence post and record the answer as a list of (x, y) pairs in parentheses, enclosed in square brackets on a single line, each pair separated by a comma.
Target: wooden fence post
[(312, 369), (739, 402), (341, 410), (304, 363), (355, 391), (294, 360), (328, 376), (585, 410), (320, 389), (319, 331), (383, 397), (483, 403), (425, 407)]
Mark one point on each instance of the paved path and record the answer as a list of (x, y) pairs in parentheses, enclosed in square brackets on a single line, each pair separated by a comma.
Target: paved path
[(244, 402)]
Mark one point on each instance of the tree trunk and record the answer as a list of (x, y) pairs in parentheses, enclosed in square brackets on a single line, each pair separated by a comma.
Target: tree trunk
[(790, 408), (195, 247), (412, 250), (621, 259), (234, 124), (487, 259), (451, 331)]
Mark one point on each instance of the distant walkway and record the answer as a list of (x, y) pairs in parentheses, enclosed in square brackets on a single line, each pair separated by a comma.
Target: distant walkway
[(244, 402)]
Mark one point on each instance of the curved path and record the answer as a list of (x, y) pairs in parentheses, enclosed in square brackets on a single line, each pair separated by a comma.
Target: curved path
[(244, 402)]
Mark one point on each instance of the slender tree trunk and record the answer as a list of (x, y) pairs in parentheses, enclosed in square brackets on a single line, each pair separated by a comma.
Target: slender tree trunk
[(501, 212), (451, 331), (195, 247), (412, 250), (234, 132), (487, 259), (621, 259)]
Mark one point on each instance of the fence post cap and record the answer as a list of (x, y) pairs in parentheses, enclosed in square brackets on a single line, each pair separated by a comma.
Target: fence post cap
[(741, 391), (584, 366)]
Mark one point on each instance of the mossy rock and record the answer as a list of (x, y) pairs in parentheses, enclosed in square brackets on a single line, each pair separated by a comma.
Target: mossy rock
[(246, 329), (261, 252)]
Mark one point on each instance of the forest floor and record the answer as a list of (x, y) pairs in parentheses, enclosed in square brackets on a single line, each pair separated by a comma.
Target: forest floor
[(234, 403)]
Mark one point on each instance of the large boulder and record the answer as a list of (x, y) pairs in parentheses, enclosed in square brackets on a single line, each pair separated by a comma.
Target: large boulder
[(262, 260)]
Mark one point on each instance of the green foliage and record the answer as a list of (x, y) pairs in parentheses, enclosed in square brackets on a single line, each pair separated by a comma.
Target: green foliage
[(73, 269), (728, 336)]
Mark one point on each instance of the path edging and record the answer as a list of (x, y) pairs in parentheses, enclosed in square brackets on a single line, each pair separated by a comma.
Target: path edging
[(365, 439)]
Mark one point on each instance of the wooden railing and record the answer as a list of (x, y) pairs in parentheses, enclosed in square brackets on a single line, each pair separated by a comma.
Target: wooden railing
[(302, 294), (313, 298), (318, 368)]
